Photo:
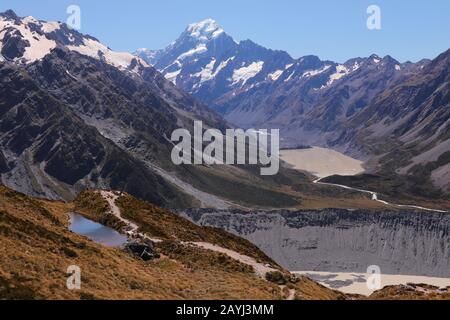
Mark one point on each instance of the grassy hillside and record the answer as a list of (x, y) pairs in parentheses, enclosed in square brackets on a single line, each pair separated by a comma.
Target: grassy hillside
[(162, 224), (37, 248)]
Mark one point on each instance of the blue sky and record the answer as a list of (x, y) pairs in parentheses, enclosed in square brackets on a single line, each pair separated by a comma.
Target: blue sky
[(334, 30)]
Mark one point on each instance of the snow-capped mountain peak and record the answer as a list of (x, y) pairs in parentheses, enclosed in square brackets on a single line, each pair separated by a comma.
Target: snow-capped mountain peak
[(205, 30), (205, 58), (26, 40)]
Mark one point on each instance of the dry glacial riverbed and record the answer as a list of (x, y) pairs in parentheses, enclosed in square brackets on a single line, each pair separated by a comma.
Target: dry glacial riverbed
[(335, 246), (322, 162)]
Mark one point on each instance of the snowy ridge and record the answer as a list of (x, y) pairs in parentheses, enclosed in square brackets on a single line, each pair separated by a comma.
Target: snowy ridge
[(312, 73), (38, 45), (275, 75), (243, 74), (39, 38), (97, 50), (206, 60), (205, 30), (201, 48)]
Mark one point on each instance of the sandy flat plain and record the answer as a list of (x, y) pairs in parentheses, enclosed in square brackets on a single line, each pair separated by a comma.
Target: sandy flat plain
[(357, 282), (322, 162)]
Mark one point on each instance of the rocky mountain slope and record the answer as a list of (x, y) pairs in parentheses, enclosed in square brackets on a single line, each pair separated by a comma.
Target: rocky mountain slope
[(254, 87), (49, 151), (117, 100), (369, 108), (208, 63), (407, 127), (68, 100), (26, 40)]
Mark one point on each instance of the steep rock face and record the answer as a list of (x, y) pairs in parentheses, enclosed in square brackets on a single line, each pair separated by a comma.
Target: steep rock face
[(406, 130), (208, 63), (125, 113), (410, 243), (312, 101), (73, 110), (3, 163), (47, 150)]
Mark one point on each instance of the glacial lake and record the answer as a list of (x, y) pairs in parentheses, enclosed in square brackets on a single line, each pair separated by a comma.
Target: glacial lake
[(95, 231)]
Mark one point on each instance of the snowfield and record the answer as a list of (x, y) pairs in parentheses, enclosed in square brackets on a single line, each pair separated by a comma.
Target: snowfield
[(92, 49), (40, 44), (205, 30), (244, 74), (313, 73), (39, 47)]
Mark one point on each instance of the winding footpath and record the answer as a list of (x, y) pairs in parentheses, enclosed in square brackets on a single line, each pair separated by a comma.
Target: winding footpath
[(132, 228), (132, 231), (260, 269), (375, 197)]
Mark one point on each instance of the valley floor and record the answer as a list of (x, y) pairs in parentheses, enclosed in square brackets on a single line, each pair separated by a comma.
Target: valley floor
[(356, 283), (322, 162)]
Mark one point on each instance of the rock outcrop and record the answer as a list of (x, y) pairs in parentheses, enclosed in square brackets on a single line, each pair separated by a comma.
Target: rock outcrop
[(399, 242), (142, 249)]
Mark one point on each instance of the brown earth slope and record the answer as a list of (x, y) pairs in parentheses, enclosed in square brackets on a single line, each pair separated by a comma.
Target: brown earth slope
[(37, 249)]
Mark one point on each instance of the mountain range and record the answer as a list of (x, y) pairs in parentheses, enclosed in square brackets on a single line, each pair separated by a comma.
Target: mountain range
[(79, 115), (66, 89), (392, 114), (85, 130)]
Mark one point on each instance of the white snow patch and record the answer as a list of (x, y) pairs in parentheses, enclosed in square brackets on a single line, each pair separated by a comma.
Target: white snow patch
[(172, 76), (205, 30), (397, 67), (288, 66), (70, 75), (29, 19), (275, 75), (208, 73), (223, 64), (355, 66), (244, 74), (39, 47), (341, 71), (49, 27), (312, 73), (201, 48), (176, 64), (91, 48), (289, 77)]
